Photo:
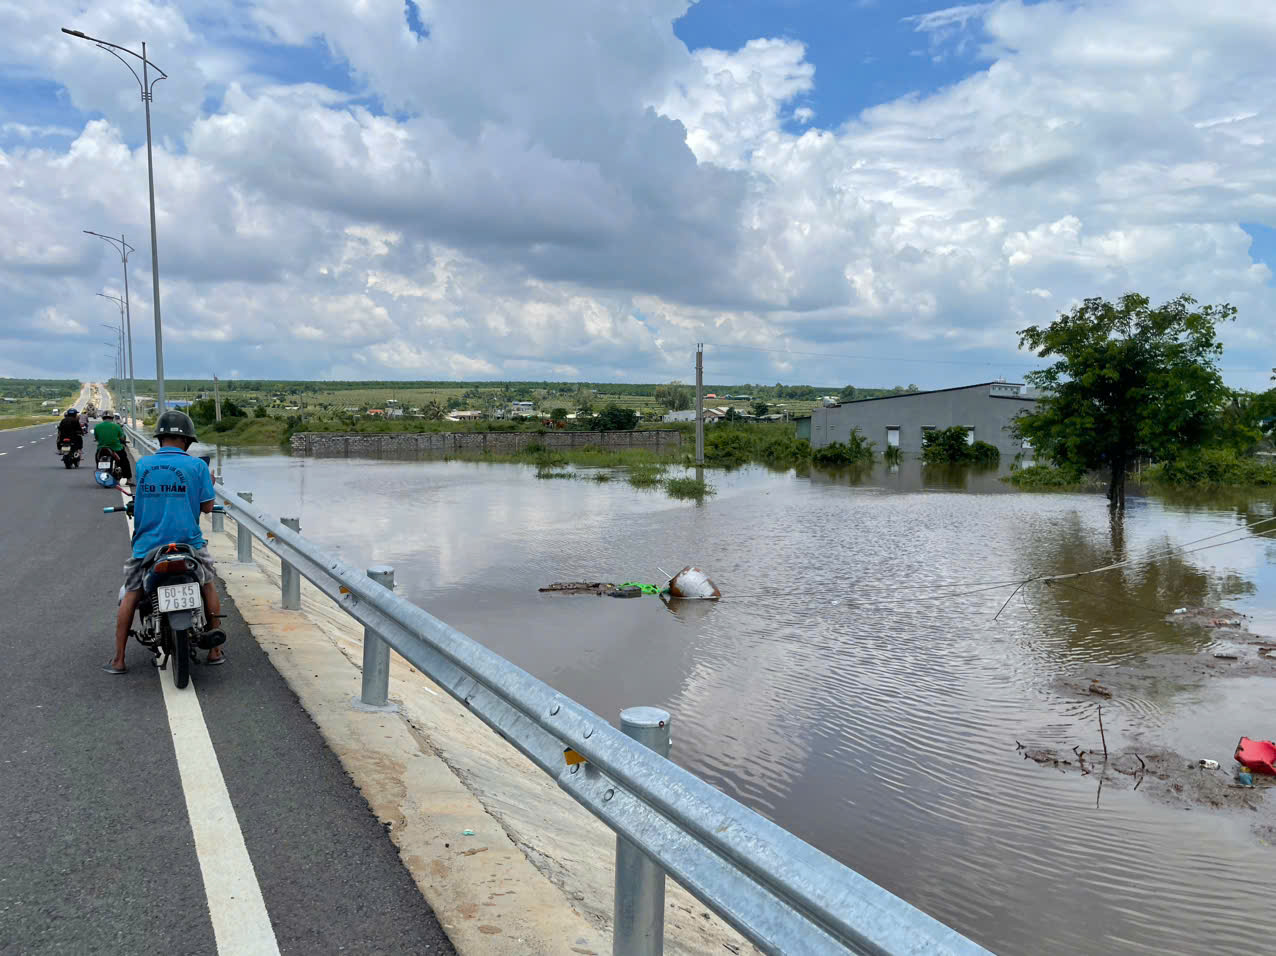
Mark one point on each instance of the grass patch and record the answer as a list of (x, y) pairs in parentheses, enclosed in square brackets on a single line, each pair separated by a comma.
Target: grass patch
[(1050, 478), (552, 471), (23, 421), (646, 475), (693, 489)]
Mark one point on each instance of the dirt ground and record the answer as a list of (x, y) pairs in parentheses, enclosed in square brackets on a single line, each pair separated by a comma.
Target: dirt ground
[(1163, 774)]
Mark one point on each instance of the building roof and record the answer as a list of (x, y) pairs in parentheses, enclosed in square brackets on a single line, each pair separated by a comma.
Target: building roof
[(955, 388)]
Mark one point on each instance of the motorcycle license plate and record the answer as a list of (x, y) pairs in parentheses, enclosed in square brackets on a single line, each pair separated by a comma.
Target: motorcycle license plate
[(178, 597)]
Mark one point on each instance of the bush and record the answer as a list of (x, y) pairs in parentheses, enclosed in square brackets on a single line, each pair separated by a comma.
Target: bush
[(1043, 477), (613, 418), (892, 455), (688, 488), (261, 412), (1212, 466), (727, 447), (982, 453), (856, 450)]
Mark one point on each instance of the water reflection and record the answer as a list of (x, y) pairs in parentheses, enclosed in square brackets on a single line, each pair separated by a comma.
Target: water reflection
[(836, 688)]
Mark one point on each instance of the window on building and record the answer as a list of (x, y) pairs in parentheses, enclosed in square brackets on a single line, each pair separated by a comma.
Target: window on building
[(970, 435), (892, 436)]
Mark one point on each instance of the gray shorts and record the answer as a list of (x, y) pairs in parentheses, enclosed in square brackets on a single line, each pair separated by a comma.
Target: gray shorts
[(205, 570)]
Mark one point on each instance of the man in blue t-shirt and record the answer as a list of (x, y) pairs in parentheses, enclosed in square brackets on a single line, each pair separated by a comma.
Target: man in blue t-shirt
[(171, 491)]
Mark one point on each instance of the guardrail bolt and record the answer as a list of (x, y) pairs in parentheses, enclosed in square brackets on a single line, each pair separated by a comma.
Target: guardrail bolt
[(639, 917), (289, 579), (244, 537), (376, 652)]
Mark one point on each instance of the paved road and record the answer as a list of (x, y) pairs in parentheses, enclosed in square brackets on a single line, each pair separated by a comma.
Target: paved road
[(97, 849)]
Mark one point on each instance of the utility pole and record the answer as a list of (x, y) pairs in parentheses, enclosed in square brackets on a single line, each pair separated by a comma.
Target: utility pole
[(217, 398), (700, 403)]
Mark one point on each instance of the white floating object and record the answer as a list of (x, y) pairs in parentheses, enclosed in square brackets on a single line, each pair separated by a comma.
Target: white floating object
[(1209, 764), (1180, 610), (693, 583)]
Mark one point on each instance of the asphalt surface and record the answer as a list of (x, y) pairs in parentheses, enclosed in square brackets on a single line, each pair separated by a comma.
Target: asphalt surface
[(96, 850)]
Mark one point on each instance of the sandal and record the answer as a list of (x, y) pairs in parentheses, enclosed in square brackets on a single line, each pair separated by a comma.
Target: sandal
[(214, 661), (111, 669)]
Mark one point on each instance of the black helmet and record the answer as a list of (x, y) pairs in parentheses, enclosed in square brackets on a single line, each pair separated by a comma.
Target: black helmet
[(70, 412), (175, 423)]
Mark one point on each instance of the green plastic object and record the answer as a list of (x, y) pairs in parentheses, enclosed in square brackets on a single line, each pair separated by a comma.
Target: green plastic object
[(644, 588)]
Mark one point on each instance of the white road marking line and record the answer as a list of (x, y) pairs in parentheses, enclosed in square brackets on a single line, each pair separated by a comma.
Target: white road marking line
[(241, 924)]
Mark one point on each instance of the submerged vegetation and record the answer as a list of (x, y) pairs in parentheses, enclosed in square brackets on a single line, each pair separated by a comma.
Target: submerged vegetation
[(856, 450), (952, 446), (1209, 467), (688, 488)]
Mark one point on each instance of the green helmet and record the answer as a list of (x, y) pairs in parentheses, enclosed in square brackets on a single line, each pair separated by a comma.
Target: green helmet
[(175, 423)]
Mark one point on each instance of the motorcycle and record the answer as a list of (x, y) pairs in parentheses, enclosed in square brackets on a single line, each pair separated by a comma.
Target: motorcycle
[(69, 454), (170, 614), (108, 467)]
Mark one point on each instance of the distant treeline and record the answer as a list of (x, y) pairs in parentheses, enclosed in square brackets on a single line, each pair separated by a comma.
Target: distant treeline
[(283, 386), (37, 387)]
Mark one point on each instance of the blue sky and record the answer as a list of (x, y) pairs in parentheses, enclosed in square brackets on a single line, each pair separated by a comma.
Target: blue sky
[(865, 52)]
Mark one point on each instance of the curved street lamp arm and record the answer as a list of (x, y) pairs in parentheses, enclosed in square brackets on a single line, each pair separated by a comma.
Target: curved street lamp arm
[(115, 46), (124, 61), (124, 253)]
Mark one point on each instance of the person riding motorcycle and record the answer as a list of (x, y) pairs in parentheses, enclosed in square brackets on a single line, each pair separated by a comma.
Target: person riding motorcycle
[(172, 490), (69, 429), (109, 434), (84, 423)]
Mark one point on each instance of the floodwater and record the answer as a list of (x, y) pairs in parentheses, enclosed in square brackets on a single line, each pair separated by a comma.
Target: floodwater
[(839, 692)]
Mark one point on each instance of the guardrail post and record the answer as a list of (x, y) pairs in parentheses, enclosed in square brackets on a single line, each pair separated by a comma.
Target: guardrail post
[(639, 916), (244, 537), (376, 652), (289, 579)]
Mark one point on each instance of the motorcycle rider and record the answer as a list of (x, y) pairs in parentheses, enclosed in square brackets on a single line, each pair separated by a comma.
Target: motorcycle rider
[(109, 434), (69, 429), (171, 492)]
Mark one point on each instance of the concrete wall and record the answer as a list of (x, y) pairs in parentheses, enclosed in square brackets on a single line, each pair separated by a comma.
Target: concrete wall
[(421, 444), (989, 409)]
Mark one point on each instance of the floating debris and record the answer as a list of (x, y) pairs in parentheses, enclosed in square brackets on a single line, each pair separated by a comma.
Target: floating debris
[(694, 584), (597, 588)]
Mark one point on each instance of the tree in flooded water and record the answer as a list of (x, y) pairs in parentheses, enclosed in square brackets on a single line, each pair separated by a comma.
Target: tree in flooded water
[(1129, 381)]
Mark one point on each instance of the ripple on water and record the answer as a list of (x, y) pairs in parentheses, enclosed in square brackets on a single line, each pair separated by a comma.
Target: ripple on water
[(829, 690)]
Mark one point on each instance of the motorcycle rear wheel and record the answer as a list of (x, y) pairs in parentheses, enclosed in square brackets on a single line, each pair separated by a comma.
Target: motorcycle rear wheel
[(177, 644)]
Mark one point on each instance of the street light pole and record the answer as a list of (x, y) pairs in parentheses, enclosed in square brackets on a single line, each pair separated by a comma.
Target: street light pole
[(120, 331), (144, 81), (124, 249)]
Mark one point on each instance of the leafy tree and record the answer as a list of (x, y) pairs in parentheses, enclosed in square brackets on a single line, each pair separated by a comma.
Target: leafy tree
[(613, 418), (432, 411), (558, 414), (760, 409), (731, 416), (260, 412), (847, 394), (856, 450), (675, 396), (204, 411), (1129, 380)]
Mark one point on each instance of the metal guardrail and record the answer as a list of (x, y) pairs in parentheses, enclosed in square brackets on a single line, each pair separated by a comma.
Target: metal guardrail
[(776, 890)]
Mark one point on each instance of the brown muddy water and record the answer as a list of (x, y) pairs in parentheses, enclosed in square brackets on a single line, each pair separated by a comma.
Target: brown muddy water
[(837, 690)]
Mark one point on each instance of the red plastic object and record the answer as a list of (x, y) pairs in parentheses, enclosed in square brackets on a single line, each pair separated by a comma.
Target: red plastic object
[(1258, 756)]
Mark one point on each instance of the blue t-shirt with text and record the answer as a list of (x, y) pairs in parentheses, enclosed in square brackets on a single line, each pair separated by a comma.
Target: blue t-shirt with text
[(170, 487)]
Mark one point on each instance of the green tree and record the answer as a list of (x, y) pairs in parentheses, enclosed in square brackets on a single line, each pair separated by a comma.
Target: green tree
[(675, 396), (1129, 380), (847, 394), (432, 411), (558, 414), (731, 416), (260, 412), (760, 409), (613, 418)]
